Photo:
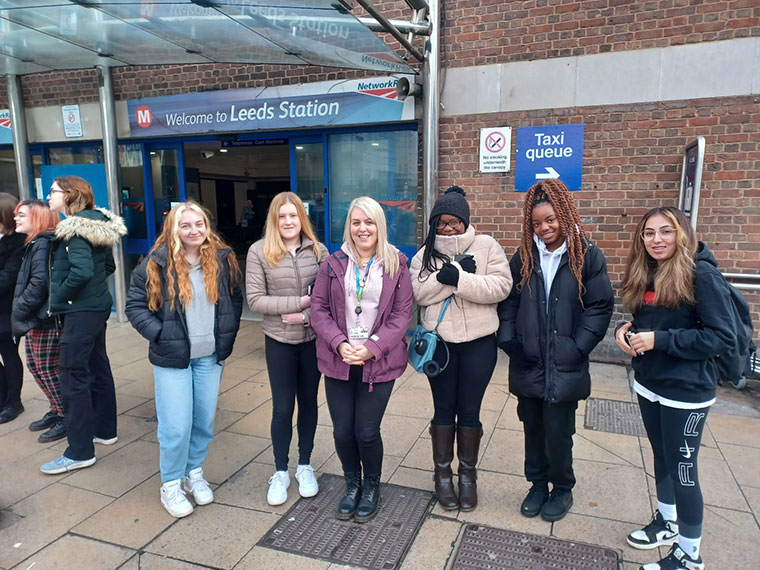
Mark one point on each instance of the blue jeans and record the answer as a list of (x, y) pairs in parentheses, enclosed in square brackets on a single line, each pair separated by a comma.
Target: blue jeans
[(186, 406)]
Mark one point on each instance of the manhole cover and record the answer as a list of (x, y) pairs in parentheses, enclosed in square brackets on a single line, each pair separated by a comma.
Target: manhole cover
[(310, 528), (496, 549), (614, 416)]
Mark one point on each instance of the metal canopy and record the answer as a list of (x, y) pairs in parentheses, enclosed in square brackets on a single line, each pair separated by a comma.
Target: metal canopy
[(46, 35)]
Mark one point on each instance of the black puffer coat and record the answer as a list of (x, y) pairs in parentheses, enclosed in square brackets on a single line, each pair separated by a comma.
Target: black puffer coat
[(30, 299), (166, 329), (11, 252), (548, 352)]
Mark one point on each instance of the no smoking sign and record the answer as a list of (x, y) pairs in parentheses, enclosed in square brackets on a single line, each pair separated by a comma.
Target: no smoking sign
[(494, 149)]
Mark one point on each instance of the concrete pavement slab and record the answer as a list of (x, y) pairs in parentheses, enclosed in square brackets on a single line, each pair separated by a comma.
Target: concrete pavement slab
[(90, 555), (434, 544)]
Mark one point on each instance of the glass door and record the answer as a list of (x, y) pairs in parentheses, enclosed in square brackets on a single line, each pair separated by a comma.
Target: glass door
[(307, 179), (165, 183)]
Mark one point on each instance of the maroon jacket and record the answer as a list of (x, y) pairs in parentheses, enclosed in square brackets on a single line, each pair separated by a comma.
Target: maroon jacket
[(386, 341)]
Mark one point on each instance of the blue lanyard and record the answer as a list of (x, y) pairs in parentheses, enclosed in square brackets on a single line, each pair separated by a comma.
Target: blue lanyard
[(360, 284)]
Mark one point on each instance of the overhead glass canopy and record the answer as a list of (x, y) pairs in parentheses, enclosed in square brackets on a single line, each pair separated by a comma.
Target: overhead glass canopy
[(46, 35)]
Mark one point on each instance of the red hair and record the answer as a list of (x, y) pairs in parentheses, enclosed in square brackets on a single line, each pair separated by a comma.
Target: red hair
[(42, 218)]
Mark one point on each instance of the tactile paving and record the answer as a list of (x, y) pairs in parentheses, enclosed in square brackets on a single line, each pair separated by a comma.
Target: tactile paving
[(496, 549), (310, 528), (614, 416)]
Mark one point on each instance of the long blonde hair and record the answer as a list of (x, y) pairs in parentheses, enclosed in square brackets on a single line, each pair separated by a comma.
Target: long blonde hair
[(673, 278), (274, 248), (384, 251), (177, 267)]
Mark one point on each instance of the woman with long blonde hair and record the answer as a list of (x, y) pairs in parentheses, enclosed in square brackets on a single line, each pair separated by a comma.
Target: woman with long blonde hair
[(279, 274), (185, 299), (682, 317)]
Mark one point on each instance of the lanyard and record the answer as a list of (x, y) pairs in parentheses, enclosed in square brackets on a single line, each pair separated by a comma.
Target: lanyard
[(360, 284)]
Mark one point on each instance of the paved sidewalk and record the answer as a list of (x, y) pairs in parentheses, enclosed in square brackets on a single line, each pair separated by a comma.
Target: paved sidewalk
[(109, 516)]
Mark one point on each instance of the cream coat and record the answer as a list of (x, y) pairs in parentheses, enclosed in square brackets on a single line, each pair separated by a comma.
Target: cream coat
[(472, 312)]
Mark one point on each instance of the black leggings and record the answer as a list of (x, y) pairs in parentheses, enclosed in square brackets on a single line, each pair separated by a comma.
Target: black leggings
[(675, 436), (11, 371), (458, 391), (293, 375), (356, 416)]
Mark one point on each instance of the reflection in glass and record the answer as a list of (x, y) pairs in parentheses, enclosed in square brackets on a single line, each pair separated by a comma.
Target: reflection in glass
[(310, 183), (133, 190), (165, 167)]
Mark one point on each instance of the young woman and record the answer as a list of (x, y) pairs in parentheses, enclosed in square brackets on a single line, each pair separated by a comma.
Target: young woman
[(555, 315), (279, 273), (185, 299), (30, 313), (472, 272), (360, 310), (11, 369), (681, 317), (80, 263)]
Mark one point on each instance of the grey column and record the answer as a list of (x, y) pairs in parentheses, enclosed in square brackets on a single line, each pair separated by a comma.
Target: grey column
[(430, 114), (20, 139), (111, 152)]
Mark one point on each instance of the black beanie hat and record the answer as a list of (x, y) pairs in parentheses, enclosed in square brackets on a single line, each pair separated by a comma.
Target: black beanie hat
[(454, 203)]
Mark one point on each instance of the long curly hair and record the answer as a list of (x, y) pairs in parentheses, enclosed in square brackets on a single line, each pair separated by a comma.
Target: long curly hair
[(673, 278), (177, 267), (555, 193)]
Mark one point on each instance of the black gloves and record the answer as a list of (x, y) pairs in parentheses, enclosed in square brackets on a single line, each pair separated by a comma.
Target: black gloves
[(467, 263), (448, 275)]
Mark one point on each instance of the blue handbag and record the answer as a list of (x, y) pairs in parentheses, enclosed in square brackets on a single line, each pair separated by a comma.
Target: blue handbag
[(423, 344)]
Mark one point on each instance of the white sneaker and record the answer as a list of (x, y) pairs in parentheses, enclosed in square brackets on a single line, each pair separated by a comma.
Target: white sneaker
[(278, 488), (196, 485), (173, 499), (102, 441), (307, 483)]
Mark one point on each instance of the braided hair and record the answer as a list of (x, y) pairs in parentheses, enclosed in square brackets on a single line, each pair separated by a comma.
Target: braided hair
[(553, 192), (431, 255)]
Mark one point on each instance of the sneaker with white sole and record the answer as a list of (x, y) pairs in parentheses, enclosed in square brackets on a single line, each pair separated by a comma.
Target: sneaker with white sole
[(677, 559), (659, 532), (198, 487), (64, 464), (173, 499), (102, 441), (307, 483), (278, 488)]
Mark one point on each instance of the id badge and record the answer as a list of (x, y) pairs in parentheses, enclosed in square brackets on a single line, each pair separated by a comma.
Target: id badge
[(358, 332)]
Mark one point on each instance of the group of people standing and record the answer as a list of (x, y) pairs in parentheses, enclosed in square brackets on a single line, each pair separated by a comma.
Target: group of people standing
[(345, 316)]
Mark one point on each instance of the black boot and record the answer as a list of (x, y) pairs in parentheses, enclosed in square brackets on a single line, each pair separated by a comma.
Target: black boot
[(58, 431), (443, 454), (10, 411), (534, 501), (468, 445), (47, 421), (347, 506), (370, 500)]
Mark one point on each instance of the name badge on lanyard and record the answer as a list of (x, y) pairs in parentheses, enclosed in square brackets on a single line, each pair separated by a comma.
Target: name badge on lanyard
[(358, 331)]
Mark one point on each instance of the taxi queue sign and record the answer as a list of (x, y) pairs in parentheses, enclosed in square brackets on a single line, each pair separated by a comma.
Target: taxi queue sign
[(494, 149), (550, 151)]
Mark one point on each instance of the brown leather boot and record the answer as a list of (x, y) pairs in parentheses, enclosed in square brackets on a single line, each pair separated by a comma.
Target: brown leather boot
[(468, 444), (443, 454)]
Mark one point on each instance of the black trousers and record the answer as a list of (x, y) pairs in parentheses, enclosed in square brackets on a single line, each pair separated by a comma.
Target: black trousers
[(458, 391), (675, 436), (89, 398), (549, 430), (11, 371), (293, 375), (356, 416)]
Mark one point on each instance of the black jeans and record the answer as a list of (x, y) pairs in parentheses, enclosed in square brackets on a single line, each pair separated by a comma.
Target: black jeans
[(89, 398), (356, 415), (675, 436), (549, 430), (293, 375), (458, 391), (11, 371)]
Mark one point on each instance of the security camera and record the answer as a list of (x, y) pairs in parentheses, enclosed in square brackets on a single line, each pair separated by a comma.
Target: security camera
[(405, 88), (207, 154)]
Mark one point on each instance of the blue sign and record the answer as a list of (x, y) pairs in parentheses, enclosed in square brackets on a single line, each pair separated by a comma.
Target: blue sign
[(6, 133), (95, 174), (551, 151)]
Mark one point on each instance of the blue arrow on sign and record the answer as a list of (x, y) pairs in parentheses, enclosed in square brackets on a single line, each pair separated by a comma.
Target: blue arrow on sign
[(551, 151)]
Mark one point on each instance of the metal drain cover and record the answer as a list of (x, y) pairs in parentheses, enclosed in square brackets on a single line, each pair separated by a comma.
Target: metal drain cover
[(496, 549), (614, 416), (310, 528)]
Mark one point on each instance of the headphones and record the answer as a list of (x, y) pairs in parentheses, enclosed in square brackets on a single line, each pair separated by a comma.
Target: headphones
[(431, 367)]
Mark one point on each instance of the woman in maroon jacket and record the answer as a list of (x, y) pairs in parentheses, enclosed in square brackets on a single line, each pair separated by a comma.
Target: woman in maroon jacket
[(360, 310)]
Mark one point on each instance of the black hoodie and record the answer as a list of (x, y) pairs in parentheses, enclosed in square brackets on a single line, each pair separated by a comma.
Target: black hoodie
[(679, 367)]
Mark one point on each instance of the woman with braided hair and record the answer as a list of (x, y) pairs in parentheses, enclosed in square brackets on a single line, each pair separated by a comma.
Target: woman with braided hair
[(555, 315)]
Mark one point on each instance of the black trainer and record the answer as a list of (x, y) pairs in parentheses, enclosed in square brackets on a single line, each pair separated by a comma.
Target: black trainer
[(10, 412), (535, 500), (47, 421), (659, 532), (677, 559), (58, 431), (556, 507)]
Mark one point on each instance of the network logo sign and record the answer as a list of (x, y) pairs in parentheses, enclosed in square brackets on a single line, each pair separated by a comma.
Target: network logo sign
[(551, 151), (6, 133), (385, 89)]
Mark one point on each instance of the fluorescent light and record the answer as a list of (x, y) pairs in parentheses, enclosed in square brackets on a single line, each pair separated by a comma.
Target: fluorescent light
[(375, 144), (299, 147), (223, 149)]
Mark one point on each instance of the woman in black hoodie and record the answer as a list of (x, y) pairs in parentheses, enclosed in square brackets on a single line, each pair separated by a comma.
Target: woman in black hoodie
[(681, 319)]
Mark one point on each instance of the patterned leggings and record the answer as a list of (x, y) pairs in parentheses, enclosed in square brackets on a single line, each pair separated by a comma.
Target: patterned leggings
[(43, 360)]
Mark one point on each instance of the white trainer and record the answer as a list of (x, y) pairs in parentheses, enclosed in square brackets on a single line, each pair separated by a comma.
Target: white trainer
[(278, 488), (173, 499), (198, 487), (307, 483)]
